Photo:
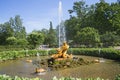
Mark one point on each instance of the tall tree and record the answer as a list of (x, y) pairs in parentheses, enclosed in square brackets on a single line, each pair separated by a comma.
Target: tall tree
[(76, 22), (45, 32), (72, 26), (11, 21), (19, 29), (114, 17), (13, 28), (52, 36), (100, 17), (5, 32)]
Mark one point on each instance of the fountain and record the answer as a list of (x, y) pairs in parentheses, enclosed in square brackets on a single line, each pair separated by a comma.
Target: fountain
[(61, 51), (61, 33), (38, 54), (101, 59), (60, 59)]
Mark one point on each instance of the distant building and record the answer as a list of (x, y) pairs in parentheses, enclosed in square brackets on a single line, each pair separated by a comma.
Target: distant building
[(43, 46)]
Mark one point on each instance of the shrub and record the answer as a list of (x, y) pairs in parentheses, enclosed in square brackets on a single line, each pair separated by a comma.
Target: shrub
[(109, 53), (22, 42), (8, 55), (6, 77), (117, 77), (11, 40)]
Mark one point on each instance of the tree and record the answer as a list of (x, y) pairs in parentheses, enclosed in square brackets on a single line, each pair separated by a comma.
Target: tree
[(78, 21), (110, 39), (22, 42), (114, 17), (89, 19), (79, 8), (88, 36), (5, 32), (19, 29), (51, 36), (45, 33), (12, 28), (11, 41), (11, 21), (72, 26), (100, 17), (35, 39)]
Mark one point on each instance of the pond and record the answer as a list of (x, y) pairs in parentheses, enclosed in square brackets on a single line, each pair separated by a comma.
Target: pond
[(107, 69)]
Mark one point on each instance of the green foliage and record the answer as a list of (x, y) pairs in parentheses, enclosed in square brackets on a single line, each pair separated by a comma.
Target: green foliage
[(88, 36), (114, 17), (109, 53), (10, 55), (22, 42), (72, 26), (80, 9), (35, 38), (14, 47), (117, 77), (110, 39), (45, 33), (5, 32), (11, 40), (14, 41), (51, 38), (10, 29), (6, 77), (76, 23), (52, 51), (102, 16), (19, 29)]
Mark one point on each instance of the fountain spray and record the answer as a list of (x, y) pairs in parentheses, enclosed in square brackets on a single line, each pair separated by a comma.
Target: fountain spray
[(61, 33)]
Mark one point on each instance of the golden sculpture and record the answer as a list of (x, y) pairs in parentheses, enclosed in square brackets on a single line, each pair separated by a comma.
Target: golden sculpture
[(62, 52)]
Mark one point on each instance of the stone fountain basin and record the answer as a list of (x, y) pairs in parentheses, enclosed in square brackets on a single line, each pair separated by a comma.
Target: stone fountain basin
[(108, 69)]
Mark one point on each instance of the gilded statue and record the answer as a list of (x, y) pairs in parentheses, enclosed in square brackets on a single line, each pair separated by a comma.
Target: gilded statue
[(62, 52)]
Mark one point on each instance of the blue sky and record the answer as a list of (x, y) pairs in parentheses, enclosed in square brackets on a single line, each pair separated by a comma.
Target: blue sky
[(37, 14)]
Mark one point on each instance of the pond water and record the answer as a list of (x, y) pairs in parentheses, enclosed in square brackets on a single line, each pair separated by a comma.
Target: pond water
[(107, 69)]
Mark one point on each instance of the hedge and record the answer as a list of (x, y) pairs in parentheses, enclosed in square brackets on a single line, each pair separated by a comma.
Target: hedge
[(109, 53), (10, 55)]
